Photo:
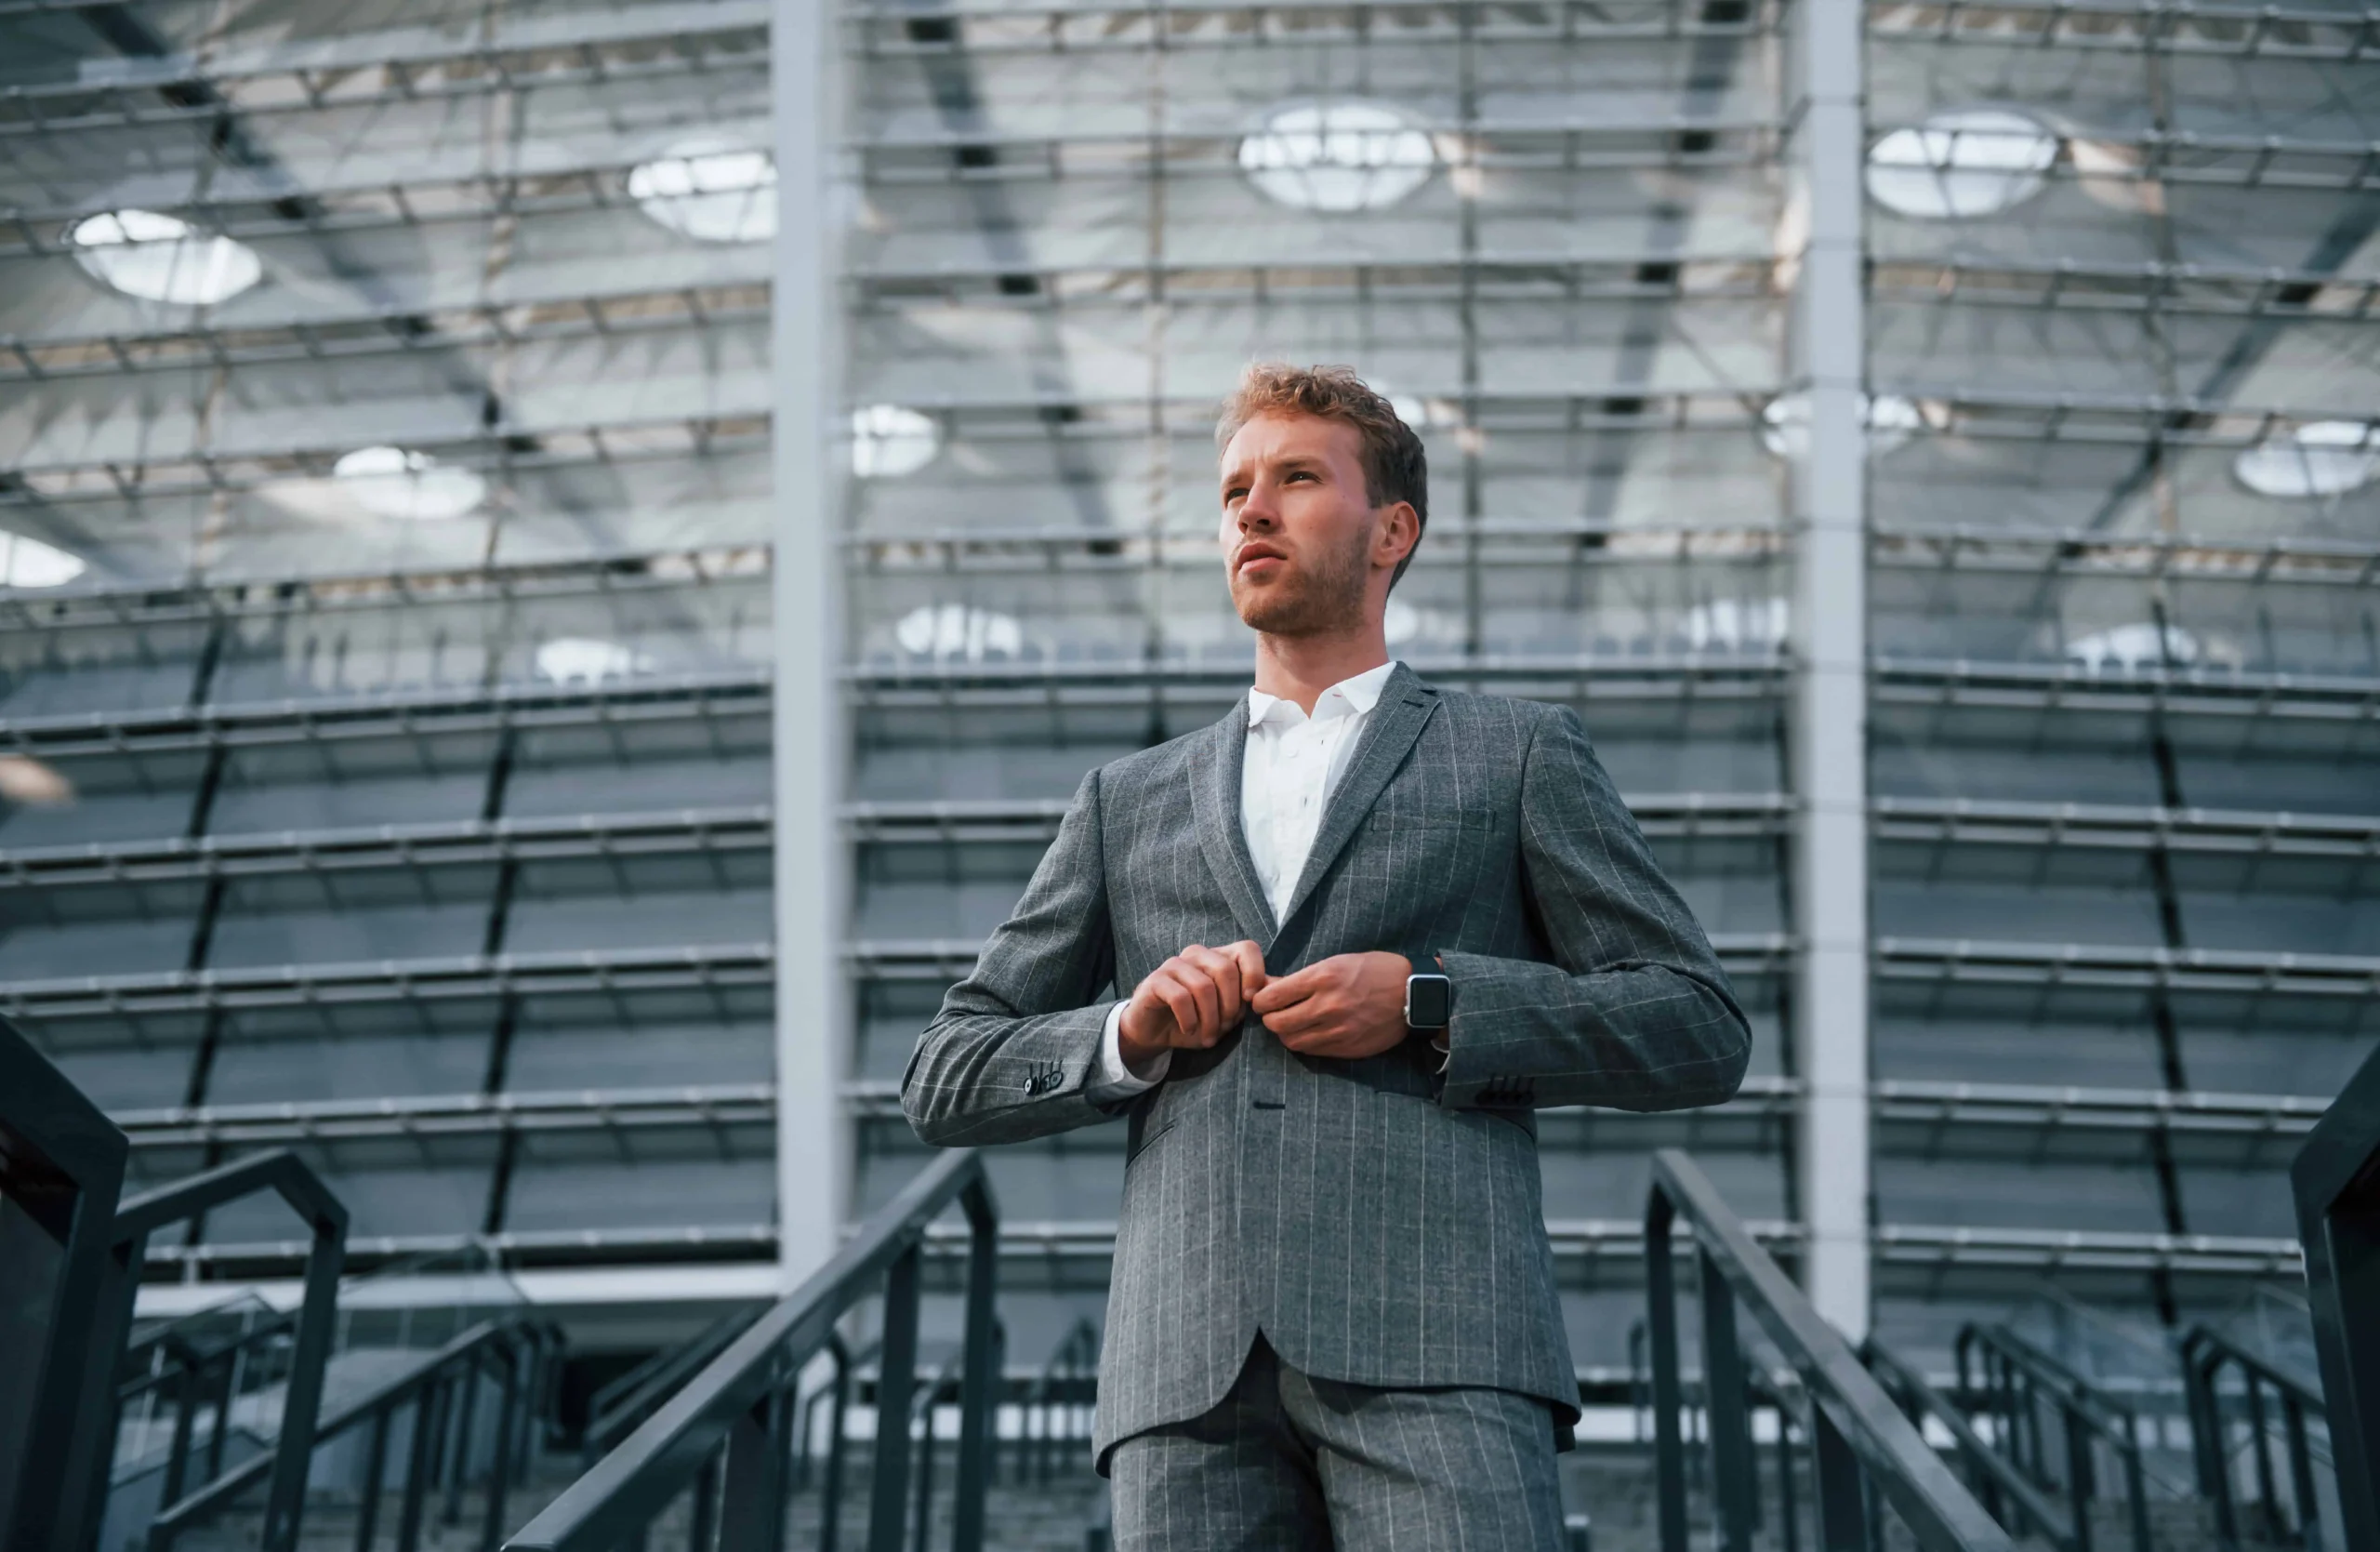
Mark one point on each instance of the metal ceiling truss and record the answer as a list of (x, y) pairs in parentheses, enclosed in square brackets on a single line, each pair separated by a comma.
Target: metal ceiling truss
[(451, 1115), (408, 714), (1951, 963), (259, 85), (1573, 1240), (2148, 288), (116, 605), (412, 847), (327, 986), (181, 344), (1108, 26), (2176, 27)]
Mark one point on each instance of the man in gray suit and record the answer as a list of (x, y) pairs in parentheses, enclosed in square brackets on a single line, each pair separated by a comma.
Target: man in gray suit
[(1363, 927)]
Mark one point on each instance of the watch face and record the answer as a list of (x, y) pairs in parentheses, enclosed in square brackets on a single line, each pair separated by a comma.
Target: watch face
[(1428, 1001)]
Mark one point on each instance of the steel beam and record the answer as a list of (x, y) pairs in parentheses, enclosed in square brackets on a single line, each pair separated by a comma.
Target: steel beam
[(814, 1005), (1828, 697)]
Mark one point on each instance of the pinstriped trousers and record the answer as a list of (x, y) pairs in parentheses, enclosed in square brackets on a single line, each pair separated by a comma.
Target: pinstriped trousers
[(1288, 1463)]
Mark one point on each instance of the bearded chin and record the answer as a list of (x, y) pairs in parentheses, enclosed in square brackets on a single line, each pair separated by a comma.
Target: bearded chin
[(1313, 605)]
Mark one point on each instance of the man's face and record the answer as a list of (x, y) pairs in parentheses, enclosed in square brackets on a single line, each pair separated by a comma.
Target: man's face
[(1297, 524)]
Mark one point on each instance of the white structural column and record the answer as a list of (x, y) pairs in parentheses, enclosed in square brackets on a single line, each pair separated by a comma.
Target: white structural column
[(1830, 627), (814, 999)]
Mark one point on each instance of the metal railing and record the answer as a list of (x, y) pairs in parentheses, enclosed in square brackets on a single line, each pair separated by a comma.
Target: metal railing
[(730, 1424), (62, 1168), (2017, 1385), (443, 1390), (615, 1411), (1056, 1405), (2336, 1180), (2010, 1496), (194, 1378), (1859, 1443), (289, 1176), (2206, 1353)]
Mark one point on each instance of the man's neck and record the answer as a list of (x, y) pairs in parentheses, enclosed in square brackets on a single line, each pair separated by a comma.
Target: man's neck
[(1300, 668)]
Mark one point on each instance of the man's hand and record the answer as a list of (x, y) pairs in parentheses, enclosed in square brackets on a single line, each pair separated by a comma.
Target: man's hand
[(1347, 1006), (1190, 1002)]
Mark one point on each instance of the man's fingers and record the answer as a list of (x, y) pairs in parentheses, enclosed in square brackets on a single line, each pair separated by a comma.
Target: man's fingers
[(1169, 989), (1297, 987), (1301, 1017), (1222, 971), (1205, 995), (1251, 959)]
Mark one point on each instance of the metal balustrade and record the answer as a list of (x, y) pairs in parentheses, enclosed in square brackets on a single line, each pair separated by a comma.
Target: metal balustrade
[(295, 1182), (2217, 1439), (2054, 1427), (726, 1434), (1863, 1452), (62, 1168), (2336, 1181)]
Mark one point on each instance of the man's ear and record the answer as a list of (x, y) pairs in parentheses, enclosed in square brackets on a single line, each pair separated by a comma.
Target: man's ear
[(1398, 535)]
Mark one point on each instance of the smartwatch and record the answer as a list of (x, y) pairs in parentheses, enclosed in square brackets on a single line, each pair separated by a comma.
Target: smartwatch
[(1429, 995)]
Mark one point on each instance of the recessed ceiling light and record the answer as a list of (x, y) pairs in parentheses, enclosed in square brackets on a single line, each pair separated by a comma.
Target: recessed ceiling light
[(1737, 625), (2328, 458), (1785, 423), (1968, 162), (2133, 646), (26, 780), (28, 562), (1416, 625), (946, 630), (891, 440), (586, 660), (163, 259), (1338, 156), (712, 188), (409, 486)]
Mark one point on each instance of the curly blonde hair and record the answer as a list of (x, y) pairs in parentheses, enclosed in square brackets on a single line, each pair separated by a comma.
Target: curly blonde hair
[(1396, 469)]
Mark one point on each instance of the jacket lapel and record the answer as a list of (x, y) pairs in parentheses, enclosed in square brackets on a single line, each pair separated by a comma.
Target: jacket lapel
[(1405, 705), (1214, 794)]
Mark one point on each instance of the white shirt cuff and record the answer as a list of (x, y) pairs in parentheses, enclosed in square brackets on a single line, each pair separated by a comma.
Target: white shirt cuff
[(1117, 1081)]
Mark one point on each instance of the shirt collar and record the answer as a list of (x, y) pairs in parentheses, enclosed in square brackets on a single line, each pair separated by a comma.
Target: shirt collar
[(1353, 697)]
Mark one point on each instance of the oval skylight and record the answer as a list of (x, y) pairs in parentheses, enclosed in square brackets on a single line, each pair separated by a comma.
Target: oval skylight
[(711, 187), (1785, 423), (408, 486), (1338, 156), (891, 440), (28, 562), (163, 259), (1967, 161), (588, 660), (2328, 458), (945, 630)]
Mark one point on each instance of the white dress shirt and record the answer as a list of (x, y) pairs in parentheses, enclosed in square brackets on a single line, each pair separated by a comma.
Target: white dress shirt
[(1293, 765)]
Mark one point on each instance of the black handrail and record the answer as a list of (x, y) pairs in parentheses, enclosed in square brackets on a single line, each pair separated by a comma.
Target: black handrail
[(283, 1173), (2205, 1354), (61, 1166), (2336, 1178), (188, 1372), (440, 1389), (742, 1403), (614, 1412), (1858, 1438), (2017, 1378), (1075, 1358), (1996, 1478)]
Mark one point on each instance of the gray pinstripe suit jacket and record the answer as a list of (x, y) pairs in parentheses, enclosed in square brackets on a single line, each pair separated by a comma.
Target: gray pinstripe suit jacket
[(1378, 1221)]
